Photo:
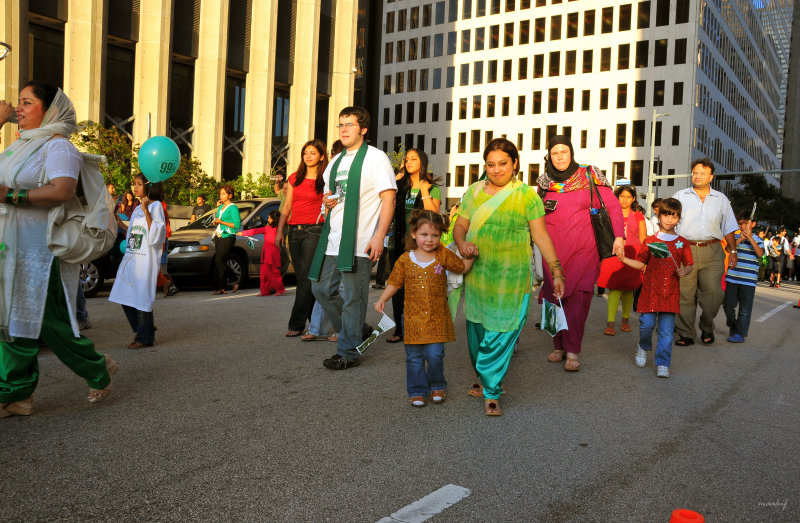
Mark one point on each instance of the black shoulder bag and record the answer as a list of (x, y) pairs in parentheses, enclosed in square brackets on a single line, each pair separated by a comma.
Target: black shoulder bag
[(601, 222)]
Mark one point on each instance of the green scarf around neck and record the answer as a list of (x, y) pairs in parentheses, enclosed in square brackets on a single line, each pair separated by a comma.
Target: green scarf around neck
[(347, 244)]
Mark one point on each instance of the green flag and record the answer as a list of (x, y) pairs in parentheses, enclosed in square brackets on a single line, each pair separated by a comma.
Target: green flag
[(658, 249)]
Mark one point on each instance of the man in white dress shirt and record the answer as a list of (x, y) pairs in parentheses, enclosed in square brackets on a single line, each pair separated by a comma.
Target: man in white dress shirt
[(706, 219)]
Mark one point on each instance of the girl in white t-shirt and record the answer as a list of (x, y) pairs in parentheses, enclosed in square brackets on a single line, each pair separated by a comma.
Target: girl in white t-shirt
[(135, 285)]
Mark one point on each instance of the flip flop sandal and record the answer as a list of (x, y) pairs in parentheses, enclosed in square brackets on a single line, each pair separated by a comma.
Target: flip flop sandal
[(557, 356), (219, 292), (609, 331), (312, 337), (684, 342), (572, 365), (625, 327), (492, 408), (707, 338), (476, 390), (292, 334)]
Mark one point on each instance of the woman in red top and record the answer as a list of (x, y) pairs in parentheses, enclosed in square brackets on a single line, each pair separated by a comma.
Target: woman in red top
[(621, 280), (302, 210)]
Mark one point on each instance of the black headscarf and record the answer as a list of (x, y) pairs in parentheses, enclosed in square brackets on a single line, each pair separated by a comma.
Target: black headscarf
[(550, 169)]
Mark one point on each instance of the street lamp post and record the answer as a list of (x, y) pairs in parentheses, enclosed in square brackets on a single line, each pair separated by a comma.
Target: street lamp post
[(650, 177)]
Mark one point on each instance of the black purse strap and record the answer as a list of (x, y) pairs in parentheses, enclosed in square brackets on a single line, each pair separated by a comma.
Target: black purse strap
[(593, 189)]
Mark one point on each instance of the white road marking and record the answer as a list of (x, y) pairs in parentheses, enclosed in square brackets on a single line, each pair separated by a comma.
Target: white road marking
[(427, 507), (773, 312), (231, 296)]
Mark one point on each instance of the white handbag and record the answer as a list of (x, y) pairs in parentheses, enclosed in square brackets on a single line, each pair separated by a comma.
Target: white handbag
[(83, 228)]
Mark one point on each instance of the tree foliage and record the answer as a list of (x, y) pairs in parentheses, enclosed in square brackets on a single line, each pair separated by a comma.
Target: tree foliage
[(773, 207)]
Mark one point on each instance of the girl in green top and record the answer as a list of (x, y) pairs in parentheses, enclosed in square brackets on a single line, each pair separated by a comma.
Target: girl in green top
[(228, 221), (416, 189), (496, 221)]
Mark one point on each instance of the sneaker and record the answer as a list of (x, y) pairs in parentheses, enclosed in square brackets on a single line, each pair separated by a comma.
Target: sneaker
[(641, 357), (172, 291), (339, 362), (437, 396), (83, 325), (663, 371), (417, 401), (736, 338)]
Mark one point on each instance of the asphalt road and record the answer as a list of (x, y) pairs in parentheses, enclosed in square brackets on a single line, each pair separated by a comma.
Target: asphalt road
[(226, 419)]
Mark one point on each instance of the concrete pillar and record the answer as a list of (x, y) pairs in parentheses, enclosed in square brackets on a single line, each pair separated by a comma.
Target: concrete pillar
[(209, 86), (13, 70), (151, 75), (303, 94), (83, 52), (260, 88), (344, 60)]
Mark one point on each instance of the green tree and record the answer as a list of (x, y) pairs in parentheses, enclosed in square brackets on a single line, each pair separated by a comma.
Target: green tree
[(773, 207)]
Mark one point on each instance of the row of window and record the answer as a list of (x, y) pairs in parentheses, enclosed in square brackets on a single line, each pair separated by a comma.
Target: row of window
[(414, 17), (723, 156), (410, 81)]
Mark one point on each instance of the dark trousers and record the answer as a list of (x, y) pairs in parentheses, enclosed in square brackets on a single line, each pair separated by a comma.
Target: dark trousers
[(303, 241), (223, 247), (142, 324), (741, 295), (380, 273)]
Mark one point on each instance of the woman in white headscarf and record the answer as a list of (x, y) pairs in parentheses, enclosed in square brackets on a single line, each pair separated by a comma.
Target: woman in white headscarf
[(37, 290)]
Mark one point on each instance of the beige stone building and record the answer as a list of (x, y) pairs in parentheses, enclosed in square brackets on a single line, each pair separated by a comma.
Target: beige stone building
[(240, 84)]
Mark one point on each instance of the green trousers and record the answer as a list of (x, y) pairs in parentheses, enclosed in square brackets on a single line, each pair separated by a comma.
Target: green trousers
[(19, 368)]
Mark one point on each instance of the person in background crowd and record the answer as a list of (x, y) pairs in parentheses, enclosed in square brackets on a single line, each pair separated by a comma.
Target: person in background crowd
[(496, 221), (707, 220), (270, 272), (740, 281), (164, 279), (228, 222), (447, 237), (302, 210), (127, 205), (784, 255), (652, 223), (39, 289), (200, 209), (565, 186), (336, 148), (416, 189), (360, 200), (621, 280), (135, 284), (764, 260)]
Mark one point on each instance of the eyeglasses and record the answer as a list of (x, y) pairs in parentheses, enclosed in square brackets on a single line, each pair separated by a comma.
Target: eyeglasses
[(348, 125)]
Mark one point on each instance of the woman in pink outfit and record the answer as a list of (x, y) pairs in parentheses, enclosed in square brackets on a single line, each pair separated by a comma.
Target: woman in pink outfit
[(271, 281)]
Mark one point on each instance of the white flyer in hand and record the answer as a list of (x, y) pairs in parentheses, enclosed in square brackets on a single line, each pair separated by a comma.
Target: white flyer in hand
[(384, 325)]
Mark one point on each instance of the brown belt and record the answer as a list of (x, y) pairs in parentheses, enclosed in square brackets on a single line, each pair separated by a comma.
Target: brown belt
[(704, 243)]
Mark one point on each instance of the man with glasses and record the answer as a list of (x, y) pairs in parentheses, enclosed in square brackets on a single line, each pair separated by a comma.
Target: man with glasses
[(707, 218), (360, 198)]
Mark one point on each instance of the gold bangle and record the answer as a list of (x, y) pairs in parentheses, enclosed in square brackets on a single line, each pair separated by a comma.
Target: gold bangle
[(15, 197)]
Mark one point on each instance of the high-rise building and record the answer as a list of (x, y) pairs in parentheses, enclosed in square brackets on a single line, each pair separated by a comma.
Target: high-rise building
[(790, 184), (456, 73), (240, 84)]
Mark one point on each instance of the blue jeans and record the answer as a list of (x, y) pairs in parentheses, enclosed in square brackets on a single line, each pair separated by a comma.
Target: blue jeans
[(419, 380), (142, 324), (303, 241), (319, 322), (346, 310), (666, 331), (741, 295)]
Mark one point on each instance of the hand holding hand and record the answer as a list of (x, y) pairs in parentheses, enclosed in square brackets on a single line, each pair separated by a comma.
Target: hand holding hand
[(468, 250), (619, 244)]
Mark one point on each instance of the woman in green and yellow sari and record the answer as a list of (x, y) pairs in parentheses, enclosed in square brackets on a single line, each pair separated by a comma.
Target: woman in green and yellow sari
[(497, 219)]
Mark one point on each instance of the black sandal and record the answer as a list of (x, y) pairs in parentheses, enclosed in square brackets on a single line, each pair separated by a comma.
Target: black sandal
[(707, 338), (684, 342)]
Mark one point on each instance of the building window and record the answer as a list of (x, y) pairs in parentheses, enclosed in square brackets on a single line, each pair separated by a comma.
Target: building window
[(681, 11), (637, 172), (401, 51), (438, 44), (519, 147), (537, 102), (475, 141), (506, 70), (524, 32), (466, 10), (437, 78), (637, 136), (584, 138), (587, 61), (643, 18), (435, 113), (448, 111), (421, 142), (462, 143), (521, 105), (465, 40), (555, 63), (586, 100), (492, 71), (621, 130), (423, 80), (494, 37), (676, 135), (480, 37), (414, 17), (602, 141), (642, 49), (426, 15), (451, 42), (399, 82), (522, 69), (658, 134), (462, 108), (567, 131), (538, 66), (607, 20), (464, 74), (625, 17), (550, 131), (680, 51), (552, 100), (508, 38), (660, 53), (658, 93), (572, 25), (439, 13), (410, 112), (474, 172), (622, 96), (533, 173), (495, 7), (460, 176), (477, 73), (425, 48), (398, 114), (588, 22), (624, 56), (510, 5), (677, 93), (390, 22), (451, 77), (538, 29), (387, 84), (570, 57), (476, 106), (555, 27), (401, 20), (388, 55), (452, 14), (569, 100), (605, 59), (412, 49), (618, 170), (536, 139), (490, 106), (386, 115), (662, 12), (423, 112), (506, 106), (433, 145), (447, 145), (412, 80), (604, 98), (640, 93), (480, 9)]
